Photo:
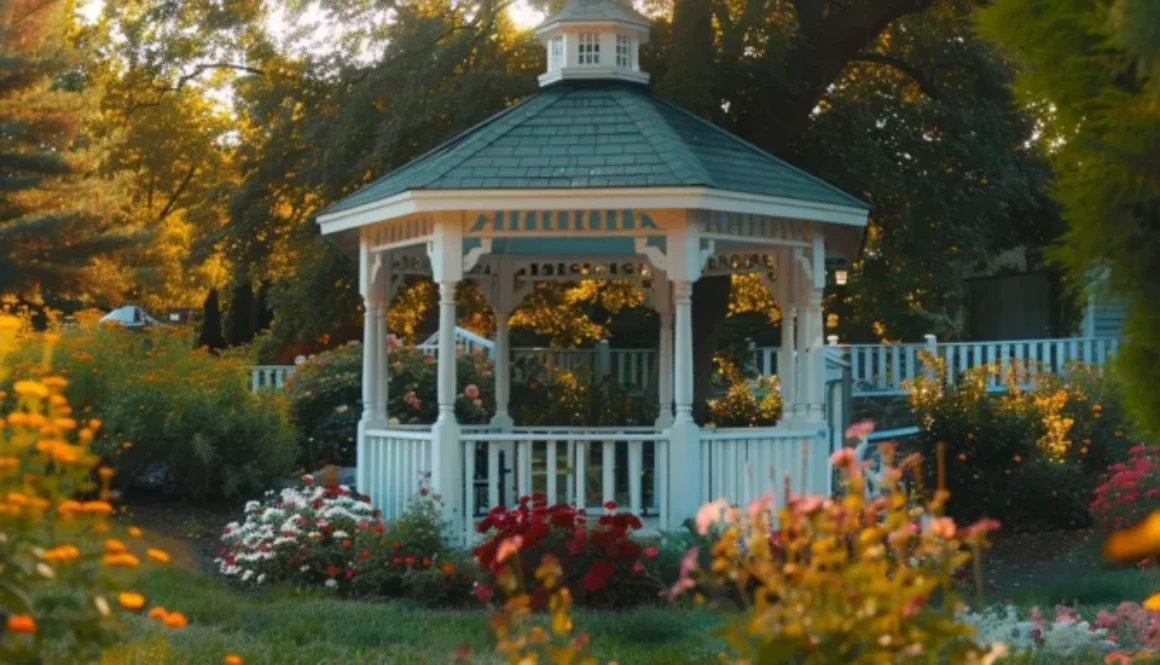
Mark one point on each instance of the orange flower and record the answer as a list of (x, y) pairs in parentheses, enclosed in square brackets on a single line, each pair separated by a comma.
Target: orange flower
[(123, 559), (426, 562), (21, 623), (114, 546), (175, 620), (131, 601), (135, 531), (158, 613), (332, 571), (448, 569), (97, 507), (160, 556), (232, 659)]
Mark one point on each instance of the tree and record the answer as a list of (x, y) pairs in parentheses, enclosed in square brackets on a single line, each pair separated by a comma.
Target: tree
[(1090, 71), (263, 314), (240, 315), (50, 237), (210, 336)]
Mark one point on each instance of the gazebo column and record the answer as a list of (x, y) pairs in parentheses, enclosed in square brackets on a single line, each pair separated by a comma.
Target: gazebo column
[(786, 356), (446, 455), (684, 268), (664, 308), (814, 331), (503, 371), (372, 286)]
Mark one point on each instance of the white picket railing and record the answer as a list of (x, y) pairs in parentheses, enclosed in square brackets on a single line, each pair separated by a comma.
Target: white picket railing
[(269, 376), (876, 369), (740, 465), (584, 467), (393, 466)]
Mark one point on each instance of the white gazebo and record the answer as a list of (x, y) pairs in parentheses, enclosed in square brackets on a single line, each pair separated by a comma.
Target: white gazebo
[(595, 177)]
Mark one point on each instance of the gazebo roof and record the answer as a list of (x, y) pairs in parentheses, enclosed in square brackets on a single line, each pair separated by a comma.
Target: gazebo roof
[(577, 135), (596, 10)]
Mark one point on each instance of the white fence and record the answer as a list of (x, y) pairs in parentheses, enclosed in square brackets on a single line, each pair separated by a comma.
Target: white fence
[(743, 464), (876, 369)]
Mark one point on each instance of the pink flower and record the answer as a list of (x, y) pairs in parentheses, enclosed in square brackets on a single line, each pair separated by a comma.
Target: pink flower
[(860, 430), (710, 513), (942, 527), (393, 341), (684, 581), (638, 568), (483, 593), (981, 528), (508, 547), (759, 506), (471, 391), (651, 551)]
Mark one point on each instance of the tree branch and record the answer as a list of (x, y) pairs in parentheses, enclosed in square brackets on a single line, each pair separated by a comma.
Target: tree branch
[(924, 83), (177, 192), (186, 78)]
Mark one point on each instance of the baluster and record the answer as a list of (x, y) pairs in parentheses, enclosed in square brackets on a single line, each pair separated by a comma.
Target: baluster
[(880, 377), (661, 471), (581, 482), (569, 479), (895, 367), (608, 480), (469, 474), (552, 470), (635, 467), (524, 466), (493, 474)]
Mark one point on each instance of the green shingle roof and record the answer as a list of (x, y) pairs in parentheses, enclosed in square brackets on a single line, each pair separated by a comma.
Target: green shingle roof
[(597, 10), (599, 134)]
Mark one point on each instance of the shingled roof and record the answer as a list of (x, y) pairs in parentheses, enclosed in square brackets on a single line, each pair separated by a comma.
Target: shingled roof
[(599, 134)]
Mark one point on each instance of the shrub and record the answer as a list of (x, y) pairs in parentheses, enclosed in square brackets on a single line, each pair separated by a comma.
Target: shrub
[(1066, 636), (65, 574), (603, 566), (1130, 492), (842, 581), (325, 394), (552, 397), (1032, 456), (741, 407), (331, 537), (182, 420)]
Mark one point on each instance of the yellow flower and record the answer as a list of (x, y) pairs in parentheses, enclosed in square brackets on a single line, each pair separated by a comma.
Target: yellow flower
[(135, 531), (1153, 602), (30, 389), (114, 546), (102, 507), (175, 620), (123, 559), (160, 556), (131, 600)]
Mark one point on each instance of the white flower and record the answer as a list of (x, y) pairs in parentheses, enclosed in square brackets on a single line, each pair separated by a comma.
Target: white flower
[(339, 535), (331, 584), (247, 575), (252, 506), (261, 578), (304, 569)]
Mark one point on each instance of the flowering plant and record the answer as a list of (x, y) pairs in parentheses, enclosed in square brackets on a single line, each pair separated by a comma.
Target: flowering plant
[(603, 565), (332, 537), (842, 580), (64, 573), (1130, 491), (742, 407), (1065, 636)]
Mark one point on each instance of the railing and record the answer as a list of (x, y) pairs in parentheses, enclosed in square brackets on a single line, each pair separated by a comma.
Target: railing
[(885, 369), (876, 369), (581, 467), (394, 465), (269, 376), (465, 340), (740, 465)]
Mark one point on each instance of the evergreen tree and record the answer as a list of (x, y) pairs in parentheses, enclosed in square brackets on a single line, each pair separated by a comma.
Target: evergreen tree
[(46, 240), (240, 316), (210, 335), (263, 314)]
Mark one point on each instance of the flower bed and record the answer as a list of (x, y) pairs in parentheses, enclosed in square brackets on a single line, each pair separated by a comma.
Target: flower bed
[(333, 537), (602, 566), (1130, 491)]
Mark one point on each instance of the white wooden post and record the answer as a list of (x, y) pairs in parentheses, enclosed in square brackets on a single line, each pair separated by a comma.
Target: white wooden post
[(446, 456), (786, 370), (815, 358), (684, 268), (503, 371), (603, 359), (931, 344), (665, 371), (371, 288)]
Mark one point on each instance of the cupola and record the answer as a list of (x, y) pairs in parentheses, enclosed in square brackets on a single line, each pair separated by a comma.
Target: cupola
[(594, 39)]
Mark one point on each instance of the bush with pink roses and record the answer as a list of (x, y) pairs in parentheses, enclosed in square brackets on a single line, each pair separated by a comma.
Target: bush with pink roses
[(603, 566), (1129, 491)]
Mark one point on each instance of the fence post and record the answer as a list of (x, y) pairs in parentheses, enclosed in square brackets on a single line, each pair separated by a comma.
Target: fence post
[(603, 359), (931, 343), (832, 340)]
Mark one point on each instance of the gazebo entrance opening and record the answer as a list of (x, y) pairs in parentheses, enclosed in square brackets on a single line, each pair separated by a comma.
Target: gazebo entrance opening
[(596, 175)]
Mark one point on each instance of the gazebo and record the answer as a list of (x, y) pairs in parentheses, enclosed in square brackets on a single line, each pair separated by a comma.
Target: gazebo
[(595, 177)]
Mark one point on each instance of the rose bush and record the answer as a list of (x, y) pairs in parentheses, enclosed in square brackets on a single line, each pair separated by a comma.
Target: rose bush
[(332, 537), (1130, 491), (603, 565)]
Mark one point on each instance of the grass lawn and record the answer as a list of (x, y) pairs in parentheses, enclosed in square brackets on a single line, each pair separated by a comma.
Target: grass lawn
[(290, 627)]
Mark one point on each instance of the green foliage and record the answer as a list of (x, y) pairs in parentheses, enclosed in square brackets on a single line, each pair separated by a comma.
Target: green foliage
[(239, 327), (1032, 457), (741, 407), (325, 395), (178, 417), (1090, 71), (209, 334), (551, 397)]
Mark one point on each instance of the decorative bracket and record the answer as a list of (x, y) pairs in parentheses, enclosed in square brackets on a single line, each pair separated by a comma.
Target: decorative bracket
[(710, 246), (475, 253), (655, 256), (374, 268)]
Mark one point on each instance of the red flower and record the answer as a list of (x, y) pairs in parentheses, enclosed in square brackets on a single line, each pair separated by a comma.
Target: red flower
[(380, 527), (410, 560), (397, 561), (365, 554), (349, 573), (484, 593), (363, 525), (346, 544), (332, 571), (651, 551), (610, 505), (426, 562), (638, 568), (597, 576)]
